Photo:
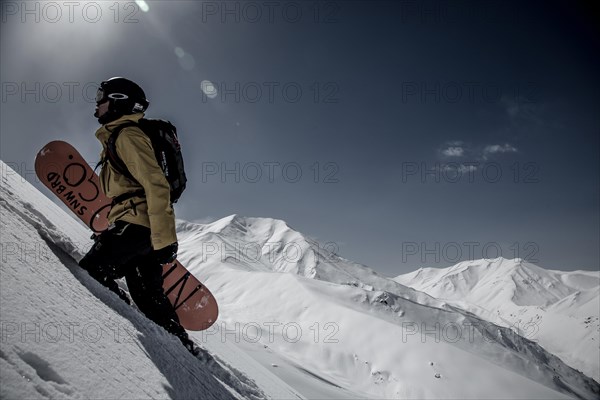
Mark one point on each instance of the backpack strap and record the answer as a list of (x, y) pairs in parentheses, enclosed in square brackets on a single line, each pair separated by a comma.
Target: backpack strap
[(111, 151), (118, 164)]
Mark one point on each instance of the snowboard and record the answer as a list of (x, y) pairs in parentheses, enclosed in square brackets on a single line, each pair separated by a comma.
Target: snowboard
[(64, 171)]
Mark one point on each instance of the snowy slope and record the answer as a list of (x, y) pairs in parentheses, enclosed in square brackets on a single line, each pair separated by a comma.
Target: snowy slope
[(342, 322), (557, 309), (65, 336), (290, 326)]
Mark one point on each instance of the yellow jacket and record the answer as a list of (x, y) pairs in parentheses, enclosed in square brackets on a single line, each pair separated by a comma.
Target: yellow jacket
[(153, 210)]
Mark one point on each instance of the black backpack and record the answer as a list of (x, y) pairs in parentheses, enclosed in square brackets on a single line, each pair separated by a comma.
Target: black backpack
[(167, 151)]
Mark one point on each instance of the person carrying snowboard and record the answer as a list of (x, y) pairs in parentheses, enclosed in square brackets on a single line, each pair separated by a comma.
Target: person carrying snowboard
[(142, 234)]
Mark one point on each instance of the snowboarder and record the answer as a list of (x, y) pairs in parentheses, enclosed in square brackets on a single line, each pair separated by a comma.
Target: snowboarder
[(142, 235)]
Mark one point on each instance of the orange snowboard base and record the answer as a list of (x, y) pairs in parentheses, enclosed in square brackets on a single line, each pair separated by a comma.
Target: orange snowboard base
[(64, 171)]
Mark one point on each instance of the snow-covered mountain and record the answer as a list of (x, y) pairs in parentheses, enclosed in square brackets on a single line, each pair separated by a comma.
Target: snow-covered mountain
[(557, 309), (295, 322)]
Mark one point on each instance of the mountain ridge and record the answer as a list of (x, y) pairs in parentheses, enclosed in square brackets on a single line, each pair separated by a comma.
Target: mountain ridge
[(547, 304)]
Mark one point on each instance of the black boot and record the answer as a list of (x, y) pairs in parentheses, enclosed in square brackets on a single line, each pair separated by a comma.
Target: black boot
[(189, 345), (105, 275)]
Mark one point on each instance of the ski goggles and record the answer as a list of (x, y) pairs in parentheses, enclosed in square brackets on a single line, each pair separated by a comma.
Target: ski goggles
[(100, 95)]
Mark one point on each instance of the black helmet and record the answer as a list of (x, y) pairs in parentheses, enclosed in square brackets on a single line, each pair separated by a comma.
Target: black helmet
[(124, 96)]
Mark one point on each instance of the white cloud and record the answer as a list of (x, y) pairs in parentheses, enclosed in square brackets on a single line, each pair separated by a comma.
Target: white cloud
[(453, 151), (467, 168), (457, 149), (497, 148), (459, 168)]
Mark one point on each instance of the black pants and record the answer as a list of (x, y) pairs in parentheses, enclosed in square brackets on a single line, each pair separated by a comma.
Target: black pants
[(125, 250)]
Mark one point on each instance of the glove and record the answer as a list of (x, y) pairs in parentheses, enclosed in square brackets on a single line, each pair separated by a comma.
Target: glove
[(166, 255)]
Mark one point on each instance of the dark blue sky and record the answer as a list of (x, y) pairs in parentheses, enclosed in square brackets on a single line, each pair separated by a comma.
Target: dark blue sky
[(407, 133)]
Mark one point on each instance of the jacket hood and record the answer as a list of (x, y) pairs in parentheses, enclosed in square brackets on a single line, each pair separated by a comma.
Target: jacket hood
[(103, 133)]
